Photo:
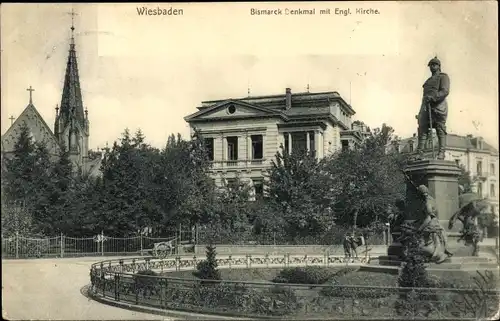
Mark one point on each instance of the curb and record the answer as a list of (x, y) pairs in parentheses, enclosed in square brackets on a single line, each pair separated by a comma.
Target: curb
[(178, 315)]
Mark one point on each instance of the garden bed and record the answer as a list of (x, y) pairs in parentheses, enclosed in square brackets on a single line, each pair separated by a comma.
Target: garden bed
[(455, 279), (292, 293)]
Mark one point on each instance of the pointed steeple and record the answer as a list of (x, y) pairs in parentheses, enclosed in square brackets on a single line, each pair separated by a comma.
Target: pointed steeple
[(71, 102)]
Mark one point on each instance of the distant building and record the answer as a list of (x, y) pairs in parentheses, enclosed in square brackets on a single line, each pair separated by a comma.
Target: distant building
[(476, 155), (71, 128), (243, 135)]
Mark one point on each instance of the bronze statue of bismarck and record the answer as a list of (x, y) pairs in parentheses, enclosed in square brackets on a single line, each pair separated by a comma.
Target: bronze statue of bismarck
[(434, 109)]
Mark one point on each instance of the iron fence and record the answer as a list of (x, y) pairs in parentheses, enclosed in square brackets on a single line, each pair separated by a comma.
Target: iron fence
[(21, 247), (119, 280)]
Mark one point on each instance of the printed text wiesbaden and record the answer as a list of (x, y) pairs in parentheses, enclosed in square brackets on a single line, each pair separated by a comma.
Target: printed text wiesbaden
[(145, 11)]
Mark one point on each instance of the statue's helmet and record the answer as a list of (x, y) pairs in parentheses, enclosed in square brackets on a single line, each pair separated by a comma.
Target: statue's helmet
[(434, 60), (423, 189)]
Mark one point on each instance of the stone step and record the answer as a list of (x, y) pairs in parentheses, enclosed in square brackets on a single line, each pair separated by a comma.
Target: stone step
[(432, 267), (453, 259)]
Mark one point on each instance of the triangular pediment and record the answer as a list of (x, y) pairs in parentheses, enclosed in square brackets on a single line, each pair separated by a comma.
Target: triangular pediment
[(39, 129), (232, 109)]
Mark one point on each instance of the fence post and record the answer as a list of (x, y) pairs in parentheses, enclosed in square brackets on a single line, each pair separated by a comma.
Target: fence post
[(102, 243), (180, 233), (142, 253), (62, 245), (17, 245), (197, 234)]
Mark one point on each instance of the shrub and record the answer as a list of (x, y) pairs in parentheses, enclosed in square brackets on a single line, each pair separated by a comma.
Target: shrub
[(207, 269), (410, 305), (304, 275), (275, 301), (145, 282), (482, 301), (344, 281), (413, 273)]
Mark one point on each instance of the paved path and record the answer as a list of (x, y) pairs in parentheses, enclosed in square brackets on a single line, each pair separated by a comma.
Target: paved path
[(49, 289)]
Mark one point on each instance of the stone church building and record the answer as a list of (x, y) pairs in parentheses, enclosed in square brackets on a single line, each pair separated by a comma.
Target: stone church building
[(71, 129)]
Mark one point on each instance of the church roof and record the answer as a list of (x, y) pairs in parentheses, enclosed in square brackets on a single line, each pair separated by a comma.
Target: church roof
[(38, 126), (71, 100)]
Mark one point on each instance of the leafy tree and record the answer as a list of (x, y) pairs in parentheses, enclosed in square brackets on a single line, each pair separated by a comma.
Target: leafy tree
[(295, 189), (186, 187), (126, 189), (16, 219), (25, 177), (465, 181), (264, 219), (368, 180), (60, 193)]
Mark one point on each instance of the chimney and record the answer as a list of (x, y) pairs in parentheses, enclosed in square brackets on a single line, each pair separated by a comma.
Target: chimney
[(288, 98)]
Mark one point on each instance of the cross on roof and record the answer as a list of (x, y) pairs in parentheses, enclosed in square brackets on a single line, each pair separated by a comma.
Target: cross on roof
[(11, 120), (31, 90), (73, 14)]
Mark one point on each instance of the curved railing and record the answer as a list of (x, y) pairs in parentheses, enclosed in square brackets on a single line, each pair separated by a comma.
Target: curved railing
[(117, 281)]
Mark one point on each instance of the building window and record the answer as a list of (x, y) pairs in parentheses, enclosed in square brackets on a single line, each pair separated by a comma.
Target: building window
[(232, 148), (457, 161), (259, 188), (312, 144), (492, 169), (345, 145), (209, 148), (231, 109), (257, 147), (411, 146), (299, 142), (232, 184), (286, 143), (480, 189), (492, 190), (479, 167)]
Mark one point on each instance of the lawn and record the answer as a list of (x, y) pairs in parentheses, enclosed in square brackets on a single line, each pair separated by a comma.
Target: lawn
[(301, 302), (367, 278)]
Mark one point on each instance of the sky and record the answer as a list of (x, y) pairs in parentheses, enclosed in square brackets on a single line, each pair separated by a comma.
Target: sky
[(149, 72)]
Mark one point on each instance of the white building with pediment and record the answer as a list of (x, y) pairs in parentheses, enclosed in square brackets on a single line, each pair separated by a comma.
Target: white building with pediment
[(243, 135)]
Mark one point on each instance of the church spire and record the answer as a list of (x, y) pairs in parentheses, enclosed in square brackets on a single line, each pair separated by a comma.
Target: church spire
[(71, 101)]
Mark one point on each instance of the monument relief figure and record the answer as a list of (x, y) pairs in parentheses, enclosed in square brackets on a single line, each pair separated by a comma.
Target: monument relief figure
[(426, 228), (430, 226), (470, 209), (434, 108)]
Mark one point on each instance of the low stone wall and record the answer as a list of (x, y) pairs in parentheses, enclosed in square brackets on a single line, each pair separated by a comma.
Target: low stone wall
[(336, 250)]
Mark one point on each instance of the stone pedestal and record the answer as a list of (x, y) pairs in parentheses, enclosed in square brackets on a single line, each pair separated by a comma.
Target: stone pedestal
[(441, 178)]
